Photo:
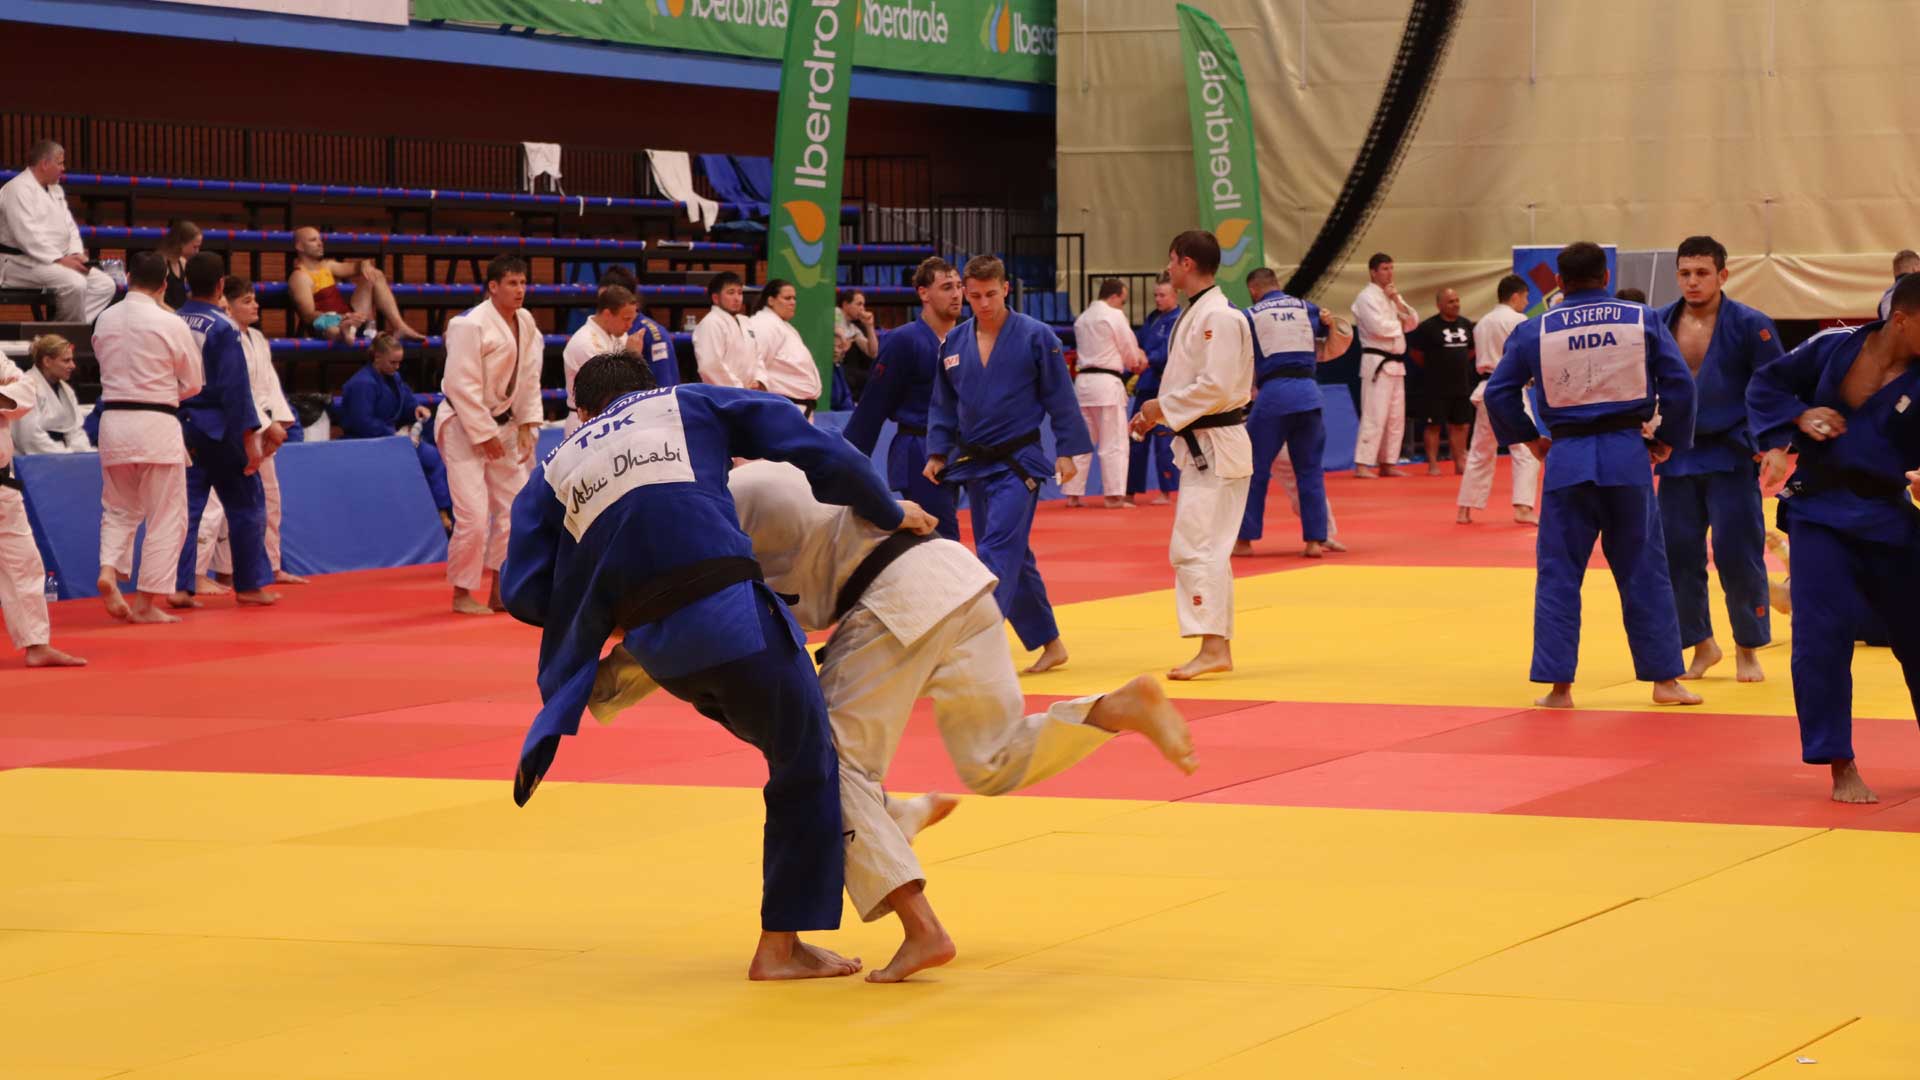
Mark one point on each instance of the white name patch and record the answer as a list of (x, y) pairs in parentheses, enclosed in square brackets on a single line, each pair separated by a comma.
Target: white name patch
[(951, 362), (638, 445), (1587, 360), (1282, 330)]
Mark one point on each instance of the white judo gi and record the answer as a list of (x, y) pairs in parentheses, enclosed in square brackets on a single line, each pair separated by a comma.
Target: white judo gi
[(926, 626), (724, 351), (492, 388), (1382, 327), (147, 355), (786, 362), (586, 343), (37, 222), (54, 426), (1209, 370), (1105, 343), (23, 577), (1489, 341), (270, 402)]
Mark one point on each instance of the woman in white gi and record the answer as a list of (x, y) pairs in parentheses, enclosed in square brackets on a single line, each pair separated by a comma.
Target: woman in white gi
[(23, 577), (54, 426), (788, 364)]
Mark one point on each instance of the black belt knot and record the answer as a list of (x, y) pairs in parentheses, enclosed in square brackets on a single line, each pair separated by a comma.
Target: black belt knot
[(1230, 418)]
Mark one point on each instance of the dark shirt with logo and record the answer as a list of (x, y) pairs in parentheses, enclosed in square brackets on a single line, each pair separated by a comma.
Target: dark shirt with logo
[(1446, 356)]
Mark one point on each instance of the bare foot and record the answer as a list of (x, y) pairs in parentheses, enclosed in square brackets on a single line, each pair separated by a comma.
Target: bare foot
[(183, 600), (1159, 499), (1560, 697), (1524, 515), (1073, 502), (210, 587), (1847, 785), (1365, 472), (465, 604), (1671, 692), (1777, 543), (785, 956), (493, 596), (147, 610), (1746, 665), (108, 585), (1705, 655), (1433, 468), (446, 522), (1052, 655), (256, 598), (48, 656), (1243, 547), (408, 333), (1313, 550), (1142, 706), (1333, 544), (1780, 595), (1214, 655), (1459, 468), (281, 577), (1463, 516), (1393, 470), (917, 953), (916, 815)]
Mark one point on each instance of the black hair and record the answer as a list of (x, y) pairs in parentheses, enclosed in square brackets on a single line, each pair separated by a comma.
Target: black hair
[(1377, 260), (608, 377), (146, 270), (502, 265), (204, 272), (715, 286), (1199, 245), (1509, 285), (1583, 265), (1703, 247)]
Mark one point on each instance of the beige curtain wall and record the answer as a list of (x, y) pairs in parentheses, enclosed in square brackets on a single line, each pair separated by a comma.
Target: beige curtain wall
[(1789, 129)]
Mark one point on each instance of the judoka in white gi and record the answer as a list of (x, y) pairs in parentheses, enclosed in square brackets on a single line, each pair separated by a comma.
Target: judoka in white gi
[(913, 616), (487, 427), (1108, 353), (787, 366), (1490, 335), (723, 346), (1382, 320), (605, 331), (149, 364), (53, 427), (1203, 398), (40, 244), (23, 577)]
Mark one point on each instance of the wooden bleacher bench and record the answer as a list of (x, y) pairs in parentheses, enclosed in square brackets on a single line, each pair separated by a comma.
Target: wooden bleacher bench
[(39, 301)]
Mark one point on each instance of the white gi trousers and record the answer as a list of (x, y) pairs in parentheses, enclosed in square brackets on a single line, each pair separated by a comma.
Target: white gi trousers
[(871, 681), (1477, 484), (1206, 521), (23, 577), (1383, 412), (482, 494), (77, 297), (1108, 426), (216, 547), (1289, 483), (156, 495)]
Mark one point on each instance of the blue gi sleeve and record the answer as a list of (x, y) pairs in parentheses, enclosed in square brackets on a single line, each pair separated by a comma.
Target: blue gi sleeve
[(359, 410), (943, 415), (1673, 384), (660, 354), (885, 387), (1505, 388), (763, 426), (1313, 317), (533, 551), (1780, 392), (1070, 437), (236, 388)]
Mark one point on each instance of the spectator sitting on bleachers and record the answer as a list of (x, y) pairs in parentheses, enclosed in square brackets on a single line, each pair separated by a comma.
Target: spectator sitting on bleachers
[(646, 338), (855, 345), (53, 427), (723, 346), (790, 370), (40, 244), (376, 402), (313, 286), (181, 243)]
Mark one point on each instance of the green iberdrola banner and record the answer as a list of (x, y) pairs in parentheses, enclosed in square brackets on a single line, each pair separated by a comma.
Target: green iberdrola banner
[(810, 130), (1224, 160), (1012, 40)]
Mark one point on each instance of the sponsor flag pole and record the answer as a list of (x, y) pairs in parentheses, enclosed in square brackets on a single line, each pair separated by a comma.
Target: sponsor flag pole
[(803, 237), (1226, 169)]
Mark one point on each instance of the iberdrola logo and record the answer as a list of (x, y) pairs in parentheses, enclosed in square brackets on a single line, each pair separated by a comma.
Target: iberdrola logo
[(997, 32), (1235, 234), (806, 238), (671, 8)]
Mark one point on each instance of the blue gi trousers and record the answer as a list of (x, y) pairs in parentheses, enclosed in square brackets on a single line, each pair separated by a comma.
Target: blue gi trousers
[(436, 472), (1729, 504), (1159, 445), (1002, 508), (772, 700), (935, 499), (1838, 581), (1627, 524), (1304, 436), (222, 467)]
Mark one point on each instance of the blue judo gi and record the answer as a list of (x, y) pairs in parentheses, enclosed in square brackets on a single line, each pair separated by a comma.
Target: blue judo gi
[(650, 340), (1856, 533), (985, 420), (215, 423), (1600, 366), (375, 406), (1286, 410), (900, 389), (1715, 484), (1154, 334), (629, 524)]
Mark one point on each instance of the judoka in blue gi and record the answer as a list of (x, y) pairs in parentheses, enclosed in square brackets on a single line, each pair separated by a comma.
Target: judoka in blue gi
[(1848, 401), (1155, 449), (1290, 339), (1715, 483), (221, 425), (1906, 262), (629, 525), (376, 403), (1001, 377), (900, 388), (1601, 367)]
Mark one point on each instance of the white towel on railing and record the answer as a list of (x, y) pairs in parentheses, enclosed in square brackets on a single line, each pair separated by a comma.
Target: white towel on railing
[(543, 159), (673, 174)]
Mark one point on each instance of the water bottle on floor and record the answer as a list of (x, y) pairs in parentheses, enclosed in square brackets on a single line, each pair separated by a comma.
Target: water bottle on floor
[(53, 587)]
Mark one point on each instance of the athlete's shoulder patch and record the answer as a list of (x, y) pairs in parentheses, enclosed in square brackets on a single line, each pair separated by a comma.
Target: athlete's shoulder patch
[(1766, 334)]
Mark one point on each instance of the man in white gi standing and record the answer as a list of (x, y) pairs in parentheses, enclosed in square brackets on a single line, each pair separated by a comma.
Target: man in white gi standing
[(40, 244), (1382, 320), (1108, 352), (1203, 398), (149, 364), (487, 427), (23, 577), (1489, 341)]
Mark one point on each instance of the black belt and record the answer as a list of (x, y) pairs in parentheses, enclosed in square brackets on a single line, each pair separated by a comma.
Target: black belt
[(806, 404), (137, 406), (1617, 422), (662, 596), (990, 453), (1284, 373), (8, 480), (1815, 478), (870, 568), (6, 249), (57, 436), (1232, 418), (1121, 375), (504, 418), (1386, 358), (909, 429)]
